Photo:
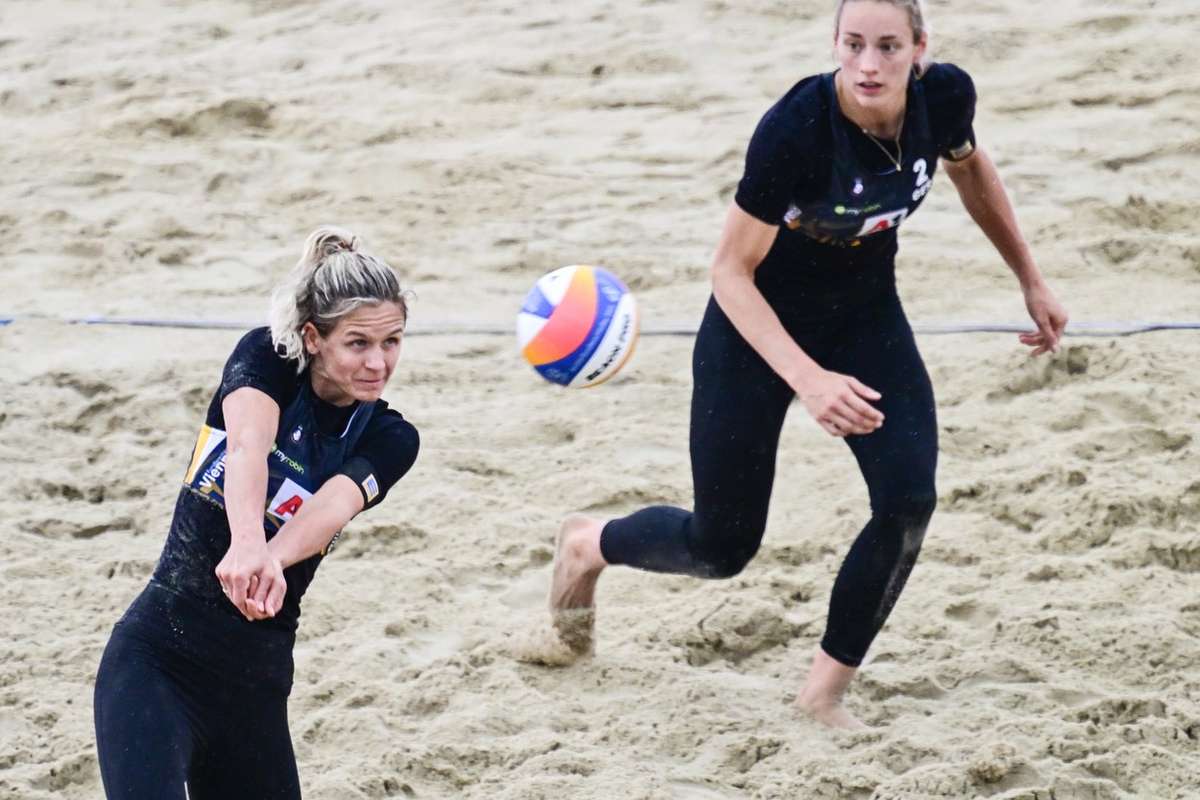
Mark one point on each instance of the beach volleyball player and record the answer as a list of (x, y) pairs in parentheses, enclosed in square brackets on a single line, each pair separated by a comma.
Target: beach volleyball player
[(191, 695), (804, 305)]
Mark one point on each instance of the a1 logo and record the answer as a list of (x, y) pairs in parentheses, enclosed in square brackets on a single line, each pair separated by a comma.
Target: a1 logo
[(882, 222), (288, 499), (924, 182)]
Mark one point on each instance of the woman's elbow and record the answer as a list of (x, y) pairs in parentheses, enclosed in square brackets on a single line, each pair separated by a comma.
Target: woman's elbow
[(721, 277), (730, 275), (248, 444)]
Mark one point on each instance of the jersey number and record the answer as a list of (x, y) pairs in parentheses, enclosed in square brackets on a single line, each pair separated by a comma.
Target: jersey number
[(924, 182)]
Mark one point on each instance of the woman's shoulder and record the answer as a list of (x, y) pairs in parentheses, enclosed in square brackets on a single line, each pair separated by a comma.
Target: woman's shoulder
[(256, 343), (257, 348), (390, 443), (802, 106), (255, 362), (798, 121), (945, 82), (388, 423)]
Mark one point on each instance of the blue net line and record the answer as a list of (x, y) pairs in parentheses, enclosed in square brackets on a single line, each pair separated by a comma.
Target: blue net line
[(1093, 329)]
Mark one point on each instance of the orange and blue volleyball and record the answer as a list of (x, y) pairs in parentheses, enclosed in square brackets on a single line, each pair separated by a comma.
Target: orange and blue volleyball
[(578, 325)]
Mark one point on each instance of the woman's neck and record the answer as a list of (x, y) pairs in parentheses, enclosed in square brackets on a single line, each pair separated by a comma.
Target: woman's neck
[(883, 123), (327, 390)]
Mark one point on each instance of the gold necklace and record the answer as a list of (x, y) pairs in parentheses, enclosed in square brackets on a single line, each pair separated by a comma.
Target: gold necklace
[(898, 159)]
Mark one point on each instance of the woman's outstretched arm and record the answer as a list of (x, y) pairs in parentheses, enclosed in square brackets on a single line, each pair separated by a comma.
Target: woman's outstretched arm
[(318, 521), (982, 193), (248, 573)]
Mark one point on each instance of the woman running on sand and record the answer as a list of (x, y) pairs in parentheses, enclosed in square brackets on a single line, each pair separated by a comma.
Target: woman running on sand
[(804, 305), (191, 696)]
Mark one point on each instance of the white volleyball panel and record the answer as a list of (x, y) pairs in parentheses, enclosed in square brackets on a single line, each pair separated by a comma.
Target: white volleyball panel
[(528, 326), (554, 285), (614, 348)]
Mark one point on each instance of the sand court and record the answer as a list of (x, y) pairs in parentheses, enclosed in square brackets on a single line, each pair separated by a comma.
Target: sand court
[(167, 161)]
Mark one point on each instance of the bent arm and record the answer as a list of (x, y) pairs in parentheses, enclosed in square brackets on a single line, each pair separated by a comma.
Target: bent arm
[(745, 242), (982, 193), (838, 403), (317, 522), (251, 421)]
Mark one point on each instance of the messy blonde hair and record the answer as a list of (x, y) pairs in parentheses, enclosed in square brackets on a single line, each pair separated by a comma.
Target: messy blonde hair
[(916, 19), (332, 278)]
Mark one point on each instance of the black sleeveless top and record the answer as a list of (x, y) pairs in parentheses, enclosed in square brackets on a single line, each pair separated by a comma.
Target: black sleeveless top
[(369, 442), (838, 197)]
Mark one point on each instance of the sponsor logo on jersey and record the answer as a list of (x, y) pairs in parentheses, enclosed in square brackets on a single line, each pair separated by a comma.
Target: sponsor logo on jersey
[(208, 481), (851, 211), (284, 459), (288, 500), (208, 441), (882, 222)]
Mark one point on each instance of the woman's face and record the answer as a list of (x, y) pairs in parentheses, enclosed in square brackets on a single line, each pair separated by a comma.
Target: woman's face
[(875, 49), (356, 359)]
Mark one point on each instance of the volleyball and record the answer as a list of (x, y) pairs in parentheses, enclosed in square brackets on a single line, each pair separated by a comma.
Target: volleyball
[(578, 325)]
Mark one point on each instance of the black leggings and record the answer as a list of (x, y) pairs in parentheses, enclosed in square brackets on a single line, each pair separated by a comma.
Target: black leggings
[(185, 709), (738, 407)]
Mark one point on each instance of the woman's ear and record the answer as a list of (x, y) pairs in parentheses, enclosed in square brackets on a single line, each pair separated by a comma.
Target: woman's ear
[(312, 339), (919, 51)]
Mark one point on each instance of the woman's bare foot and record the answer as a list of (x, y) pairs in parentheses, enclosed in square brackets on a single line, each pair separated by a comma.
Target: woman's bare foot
[(822, 693), (577, 566)]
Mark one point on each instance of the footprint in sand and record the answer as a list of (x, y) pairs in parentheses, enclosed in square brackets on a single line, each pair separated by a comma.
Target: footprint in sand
[(71, 771), (735, 630), (1124, 443), (972, 612), (247, 115), (1121, 711), (55, 528)]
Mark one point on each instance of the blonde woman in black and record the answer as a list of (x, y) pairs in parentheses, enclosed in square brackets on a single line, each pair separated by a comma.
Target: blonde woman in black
[(191, 696), (805, 306)]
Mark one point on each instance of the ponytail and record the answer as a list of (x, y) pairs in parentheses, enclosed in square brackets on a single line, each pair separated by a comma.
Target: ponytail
[(331, 279)]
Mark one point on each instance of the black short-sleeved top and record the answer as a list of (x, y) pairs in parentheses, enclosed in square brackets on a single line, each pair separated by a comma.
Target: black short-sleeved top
[(837, 197), (370, 443)]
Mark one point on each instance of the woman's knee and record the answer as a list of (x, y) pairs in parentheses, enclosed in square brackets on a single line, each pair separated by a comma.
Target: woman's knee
[(908, 503), (727, 564), (724, 547), (908, 514)]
